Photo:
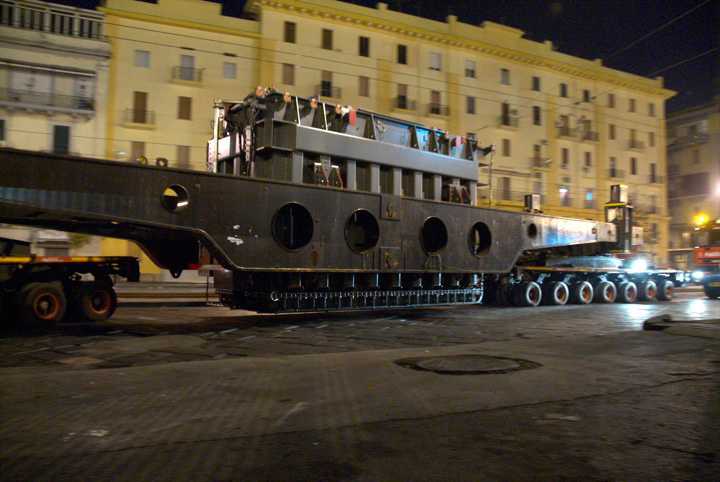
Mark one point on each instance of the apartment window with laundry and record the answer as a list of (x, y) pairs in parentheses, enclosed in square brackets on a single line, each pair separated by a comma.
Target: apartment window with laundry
[(288, 76), (229, 70), (364, 86), (470, 104), (506, 147), (470, 68), (327, 39), (142, 58), (611, 100), (505, 76), (563, 90), (402, 54), (536, 84), (435, 61), (289, 34), (184, 107), (364, 47), (537, 120)]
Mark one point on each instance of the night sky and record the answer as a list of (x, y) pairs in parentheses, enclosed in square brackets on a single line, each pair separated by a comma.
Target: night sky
[(605, 29)]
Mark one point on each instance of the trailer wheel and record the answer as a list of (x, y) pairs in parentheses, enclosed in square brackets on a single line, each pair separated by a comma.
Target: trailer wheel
[(627, 292), (41, 305), (665, 290), (556, 293), (528, 294), (647, 290), (581, 293), (712, 292), (605, 292), (96, 301)]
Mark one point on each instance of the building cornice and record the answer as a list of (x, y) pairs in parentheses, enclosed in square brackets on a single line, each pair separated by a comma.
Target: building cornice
[(352, 16)]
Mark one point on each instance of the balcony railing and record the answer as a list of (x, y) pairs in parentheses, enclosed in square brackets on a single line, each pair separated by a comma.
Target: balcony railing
[(616, 173), (54, 102), (187, 74), (635, 144), (324, 90), (589, 136), (689, 140), (565, 131), (401, 102), (138, 116), (656, 179), (52, 18), (438, 109), (537, 161), (508, 121)]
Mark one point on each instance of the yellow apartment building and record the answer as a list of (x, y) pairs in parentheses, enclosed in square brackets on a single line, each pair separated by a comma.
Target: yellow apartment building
[(693, 174)]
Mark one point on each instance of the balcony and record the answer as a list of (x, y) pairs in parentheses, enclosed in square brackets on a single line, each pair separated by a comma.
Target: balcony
[(616, 173), (656, 179), (186, 75), (139, 119), (508, 121), (53, 18), (565, 131), (48, 102), (327, 90), (402, 102), (438, 109), (635, 144), (537, 162), (589, 136), (689, 140)]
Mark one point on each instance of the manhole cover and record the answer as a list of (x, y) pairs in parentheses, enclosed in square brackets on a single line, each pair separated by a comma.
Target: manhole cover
[(467, 364)]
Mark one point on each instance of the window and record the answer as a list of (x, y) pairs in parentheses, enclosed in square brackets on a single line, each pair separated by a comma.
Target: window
[(505, 191), (537, 156), (613, 168), (506, 147), (633, 165), (61, 139), (696, 156), (402, 54), (364, 86), (183, 157), (611, 131), (140, 114), (565, 158), (536, 116), (651, 110), (288, 76), (435, 107), (326, 89), (470, 68), (184, 107), (589, 201), (435, 61), (327, 39), (187, 67), (536, 84), (563, 90), (364, 47), (586, 95), (137, 149), (470, 104), (229, 70), (632, 105), (142, 58), (289, 35), (402, 101), (564, 125), (653, 173), (611, 100), (505, 76), (564, 195), (653, 204), (588, 159), (651, 139)]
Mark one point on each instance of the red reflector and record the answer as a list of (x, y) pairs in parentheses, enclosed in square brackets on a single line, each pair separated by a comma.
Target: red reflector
[(352, 117)]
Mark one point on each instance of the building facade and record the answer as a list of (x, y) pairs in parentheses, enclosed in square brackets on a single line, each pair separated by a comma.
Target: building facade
[(53, 79), (565, 128), (693, 174)]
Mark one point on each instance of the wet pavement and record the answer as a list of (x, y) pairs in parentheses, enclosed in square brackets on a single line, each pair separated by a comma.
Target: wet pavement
[(205, 393)]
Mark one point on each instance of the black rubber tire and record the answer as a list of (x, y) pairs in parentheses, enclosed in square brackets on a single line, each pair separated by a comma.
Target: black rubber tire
[(605, 292), (712, 292), (665, 290), (627, 292), (581, 293), (528, 293), (647, 290), (95, 301), (41, 305), (501, 297), (556, 293)]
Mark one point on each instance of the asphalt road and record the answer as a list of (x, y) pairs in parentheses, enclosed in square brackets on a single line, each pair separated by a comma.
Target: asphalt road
[(452, 393)]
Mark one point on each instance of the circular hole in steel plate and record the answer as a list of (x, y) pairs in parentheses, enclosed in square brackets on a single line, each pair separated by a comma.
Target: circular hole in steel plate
[(467, 364)]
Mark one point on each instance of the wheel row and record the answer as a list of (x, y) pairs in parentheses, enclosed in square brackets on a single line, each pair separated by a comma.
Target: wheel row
[(42, 304), (531, 293)]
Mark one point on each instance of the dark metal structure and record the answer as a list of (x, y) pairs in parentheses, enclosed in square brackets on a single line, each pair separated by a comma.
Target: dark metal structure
[(306, 206)]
